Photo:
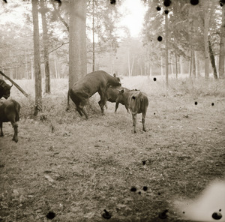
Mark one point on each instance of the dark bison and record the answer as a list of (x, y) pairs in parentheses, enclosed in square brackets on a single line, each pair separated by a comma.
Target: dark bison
[(137, 102), (112, 94), (4, 89), (84, 88), (9, 112)]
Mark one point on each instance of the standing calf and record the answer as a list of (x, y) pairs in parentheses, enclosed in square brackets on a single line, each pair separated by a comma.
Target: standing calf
[(137, 102), (9, 112), (112, 94)]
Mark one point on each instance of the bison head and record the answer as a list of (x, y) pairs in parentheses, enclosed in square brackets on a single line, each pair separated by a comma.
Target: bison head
[(4, 89)]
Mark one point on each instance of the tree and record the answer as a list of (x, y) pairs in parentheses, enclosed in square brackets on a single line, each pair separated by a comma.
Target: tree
[(45, 46), (37, 70), (77, 41), (222, 45)]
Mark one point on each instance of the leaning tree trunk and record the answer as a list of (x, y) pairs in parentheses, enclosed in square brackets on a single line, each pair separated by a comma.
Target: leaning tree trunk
[(212, 59), (222, 45), (166, 48), (45, 45), (37, 70), (77, 41)]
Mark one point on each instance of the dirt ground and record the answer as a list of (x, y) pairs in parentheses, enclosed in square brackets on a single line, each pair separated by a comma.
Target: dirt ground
[(73, 169)]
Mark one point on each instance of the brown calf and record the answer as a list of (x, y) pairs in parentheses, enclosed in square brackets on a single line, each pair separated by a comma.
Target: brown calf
[(137, 102)]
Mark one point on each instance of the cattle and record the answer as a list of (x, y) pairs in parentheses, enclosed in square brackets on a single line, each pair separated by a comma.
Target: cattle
[(84, 88), (112, 94), (9, 112), (4, 89), (137, 102)]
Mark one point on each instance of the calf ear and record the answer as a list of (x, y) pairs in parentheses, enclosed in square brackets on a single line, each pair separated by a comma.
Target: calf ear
[(121, 91)]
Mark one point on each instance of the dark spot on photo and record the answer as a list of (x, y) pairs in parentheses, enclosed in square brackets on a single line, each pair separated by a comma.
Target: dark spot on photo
[(160, 38), (196, 103), (216, 216), (133, 189), (194, 2), (154, 79), (113, 2), (145, 188), (50, 215), (158, 8), (166, 12), (167, 3), (106, 215), (143, 162)]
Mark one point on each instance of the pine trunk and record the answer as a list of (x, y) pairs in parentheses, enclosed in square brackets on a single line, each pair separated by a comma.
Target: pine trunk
[(45, 45), (212, 59), (77, 41), (37, 70), (222, 45)]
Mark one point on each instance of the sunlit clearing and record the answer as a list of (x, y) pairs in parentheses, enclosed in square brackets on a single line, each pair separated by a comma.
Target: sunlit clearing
[(134, 12), (202, 208)]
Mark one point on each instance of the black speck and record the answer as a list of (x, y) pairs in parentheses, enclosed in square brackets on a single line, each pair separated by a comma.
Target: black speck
[(167, 3), (158, 8), (145, 188), (143, 162), (50, 215), (139, 192), (194, 2), (160, 38), (154, 77), (163, 215), (196, 103), (216, 216), (212, 104), (166, 11), (133, 189), (159, 193), (106, 215), (113, 2)]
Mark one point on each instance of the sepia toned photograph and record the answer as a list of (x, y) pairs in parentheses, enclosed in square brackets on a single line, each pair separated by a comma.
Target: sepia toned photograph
[(112, 110)]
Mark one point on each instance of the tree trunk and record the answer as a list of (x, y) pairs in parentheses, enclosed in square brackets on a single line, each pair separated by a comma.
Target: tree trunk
[(176, 68), (77, 41), (197, 65), (37, 70), (206, 44), (194, 64), (181, 66), (222, 45), (166, 47), (212, 59), (45, 45), (93, 27)]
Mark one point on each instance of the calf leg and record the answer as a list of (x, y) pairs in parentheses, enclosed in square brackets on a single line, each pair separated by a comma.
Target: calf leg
[(134, 116), (117, 105), (1, 133), (143, 121), (15, 136)]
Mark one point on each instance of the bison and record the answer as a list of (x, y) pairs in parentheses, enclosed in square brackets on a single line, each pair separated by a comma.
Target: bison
[(112, 94), (84, 88), (9, 112), (137, 102), (4, 89)]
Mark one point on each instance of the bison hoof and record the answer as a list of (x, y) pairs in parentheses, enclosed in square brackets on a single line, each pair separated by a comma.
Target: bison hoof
[(1, 135), (16, 140), (67, 109)]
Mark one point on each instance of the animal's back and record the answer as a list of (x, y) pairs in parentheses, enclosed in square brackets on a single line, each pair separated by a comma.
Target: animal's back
[(138, 101), (9, 109), (91, 82)]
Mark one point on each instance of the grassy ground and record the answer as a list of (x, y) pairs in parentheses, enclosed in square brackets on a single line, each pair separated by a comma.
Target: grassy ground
[(76, 168)]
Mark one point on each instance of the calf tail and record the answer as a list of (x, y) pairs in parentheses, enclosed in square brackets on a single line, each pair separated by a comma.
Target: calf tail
[(68, 100)]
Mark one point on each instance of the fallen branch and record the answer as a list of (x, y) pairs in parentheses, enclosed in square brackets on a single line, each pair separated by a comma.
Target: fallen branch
[(17, 86)]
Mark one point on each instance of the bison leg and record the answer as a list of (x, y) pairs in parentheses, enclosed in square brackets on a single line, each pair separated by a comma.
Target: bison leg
[(116, 107), (15, 136), (68, 101), (134, 116), (102, 104), (1, 132)]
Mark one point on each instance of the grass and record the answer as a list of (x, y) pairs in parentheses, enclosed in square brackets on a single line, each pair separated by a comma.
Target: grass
[(76, 168)]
